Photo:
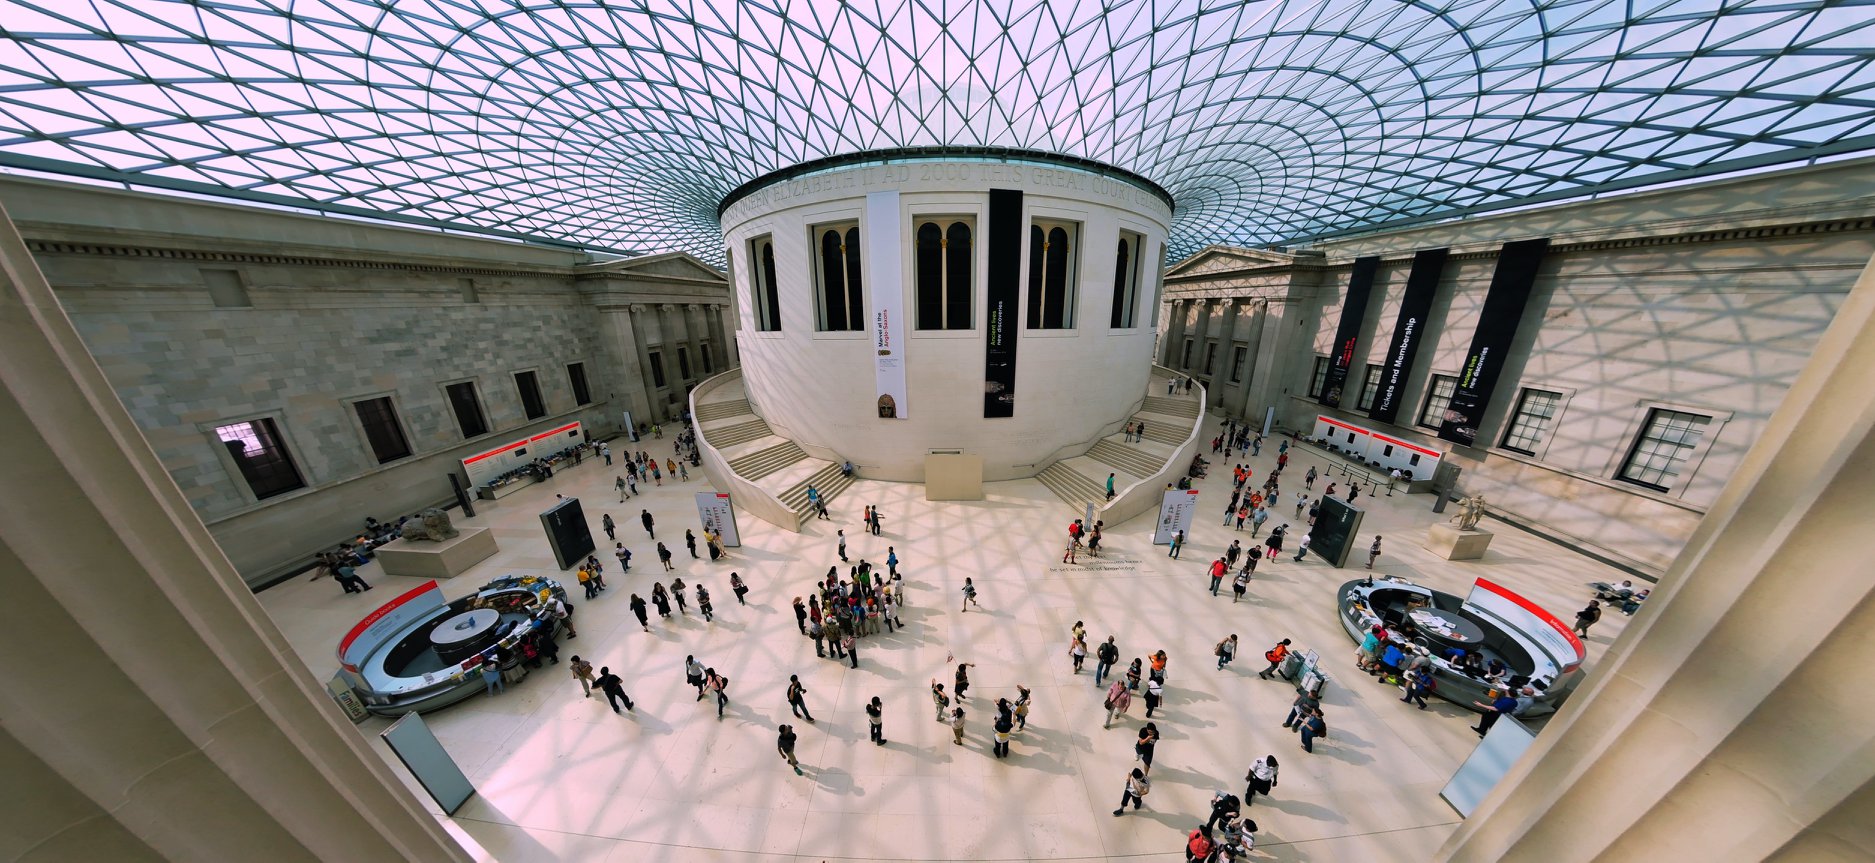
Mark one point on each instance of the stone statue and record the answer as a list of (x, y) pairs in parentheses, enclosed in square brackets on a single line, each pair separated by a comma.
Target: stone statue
[(1470, 511), (430, 525)]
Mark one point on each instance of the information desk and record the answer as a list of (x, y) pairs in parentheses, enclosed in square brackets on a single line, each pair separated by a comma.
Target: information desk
[(1446, 628)]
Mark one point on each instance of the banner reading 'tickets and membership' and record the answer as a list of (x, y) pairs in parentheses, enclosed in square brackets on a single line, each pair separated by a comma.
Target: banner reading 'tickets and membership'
[(1408, 331), (883, 230)]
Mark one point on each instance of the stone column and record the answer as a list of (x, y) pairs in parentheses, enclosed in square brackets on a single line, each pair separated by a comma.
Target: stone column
[(721, 337), (152, 711), (697, 326), (728, 323), (1730, 720), (625, 356), (1200, 328), (1220, 370), (1174, 332), (676, 335), (1253, 338), (643, 319)]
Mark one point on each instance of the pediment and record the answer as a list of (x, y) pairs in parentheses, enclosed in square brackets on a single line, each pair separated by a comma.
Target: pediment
[(1213, 259)]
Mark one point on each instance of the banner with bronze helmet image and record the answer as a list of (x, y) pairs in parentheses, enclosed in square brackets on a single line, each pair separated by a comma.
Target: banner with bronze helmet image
[(1348, 332)]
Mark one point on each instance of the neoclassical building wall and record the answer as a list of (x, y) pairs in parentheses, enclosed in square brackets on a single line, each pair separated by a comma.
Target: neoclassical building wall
[(1705, 300), (314, 314), (1072, 385)]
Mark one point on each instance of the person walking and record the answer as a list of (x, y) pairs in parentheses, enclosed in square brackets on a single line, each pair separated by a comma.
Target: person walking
[(348, 578), (719, 685), (1178, 542), (638, 609), (1302, 548), (1155, 695), (645, 517), (1588, 616), (740, 589), (1077, 652), (703, 604), (1117, 703), (1022, 707), (1241, 583), (611, 529), (1198, 846), (677, 592), (963, 679), (1257, 519), (1110, 486), (1105, 656), (1312, 727), (1419, 684), (1354, 491), (842, 535), (1300, 708), (614, 690), (797, 698), (1275, 541), (957, 726), (618, 484), (582, 672), (891, 561), (1218, 568), (1225, 808), (1275, 656), (1373, 552), (784, 744), (1308, 479), (938, 698), (491, 679), (693, 675), (1226, 651), (624, 556), (1503, 705), (690, 539), (970, 595), (664, 557), (1259, 779), (875, 718), (1136, 790), (1067, 554)]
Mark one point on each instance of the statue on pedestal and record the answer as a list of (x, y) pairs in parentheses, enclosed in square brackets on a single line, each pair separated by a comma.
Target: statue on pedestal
[(1470, 511), (430, 525)]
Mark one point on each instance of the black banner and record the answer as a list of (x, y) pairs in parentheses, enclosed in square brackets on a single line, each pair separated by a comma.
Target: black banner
[(1360, 284), (1421, 284), (1497, 326), (1003, 288)]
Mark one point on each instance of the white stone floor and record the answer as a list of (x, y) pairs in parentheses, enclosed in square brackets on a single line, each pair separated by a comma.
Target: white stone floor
[(560, 777)]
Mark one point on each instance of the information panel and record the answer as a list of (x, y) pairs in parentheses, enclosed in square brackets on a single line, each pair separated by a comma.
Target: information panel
[(426, 759), (1408, 330), (718, 516), (1336, 531), (1002, 290), (1497, 326), (887, 293), (1348, 332)]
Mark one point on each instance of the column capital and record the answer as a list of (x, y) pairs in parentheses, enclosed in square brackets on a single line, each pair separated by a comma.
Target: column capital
[(669, 307), (637, 308)]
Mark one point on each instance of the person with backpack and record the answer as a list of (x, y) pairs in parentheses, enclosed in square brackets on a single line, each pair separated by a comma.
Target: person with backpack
[(1118, 700), (1224, 808), (938, 698), (784, 744), (1198, 845), (1226, 651), (1312, 727), (1136, 790), (970, 595), (1275, 656)]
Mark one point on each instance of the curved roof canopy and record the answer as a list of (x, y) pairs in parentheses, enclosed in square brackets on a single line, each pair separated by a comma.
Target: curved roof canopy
[(622, 123)]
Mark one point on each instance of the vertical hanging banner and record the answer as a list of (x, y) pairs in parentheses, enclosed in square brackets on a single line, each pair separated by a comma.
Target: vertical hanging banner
[(1497, 326), (1002, 290), (1415, 305), (884, 232), (1348, 332)]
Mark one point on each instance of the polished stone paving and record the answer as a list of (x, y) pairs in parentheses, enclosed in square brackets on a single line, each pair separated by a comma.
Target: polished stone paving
[(560, 777)]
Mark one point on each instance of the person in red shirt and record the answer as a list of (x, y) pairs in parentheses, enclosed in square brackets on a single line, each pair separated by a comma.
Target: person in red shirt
[(1198, 846), (1218, 568)]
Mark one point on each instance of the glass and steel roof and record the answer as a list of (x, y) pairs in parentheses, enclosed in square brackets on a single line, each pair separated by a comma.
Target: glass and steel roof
[(622, 123)]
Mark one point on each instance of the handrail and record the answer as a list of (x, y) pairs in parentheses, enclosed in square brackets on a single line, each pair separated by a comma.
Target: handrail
[(754, 499), (1143, 496)]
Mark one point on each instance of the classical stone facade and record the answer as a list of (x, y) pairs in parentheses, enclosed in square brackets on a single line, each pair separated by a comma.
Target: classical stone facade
[(1701, 301), (204, 315)]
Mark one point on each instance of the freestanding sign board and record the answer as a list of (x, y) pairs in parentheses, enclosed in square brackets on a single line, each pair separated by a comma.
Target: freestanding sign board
[(1336, 531), (1175, 511), (423, 754), (718, 516)]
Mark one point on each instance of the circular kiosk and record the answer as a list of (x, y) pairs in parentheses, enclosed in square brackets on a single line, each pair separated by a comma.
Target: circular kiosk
[(419, 653), (1466, 636)]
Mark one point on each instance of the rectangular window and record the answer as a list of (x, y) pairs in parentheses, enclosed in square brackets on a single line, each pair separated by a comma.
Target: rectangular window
[(839, 304), (576, 377), (683, 364), (1320, 378), (1052, 249), (379, 419), (709, 365), (657, 367), (1370, 387), (1238, 356), (1663, 447), (1184, 359), (942, 270), (1210, 356), (763, 292), (468, 409), (530, 395), (1127, 264), (261, 456), (1438, 399), (1536, 411)]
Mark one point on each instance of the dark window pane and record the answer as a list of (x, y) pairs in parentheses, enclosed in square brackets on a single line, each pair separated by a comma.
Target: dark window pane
[(657, 367), (261, 457), (1055, 303), (468, 409), (683, 364), (576, 375), (709, 367), (530, 395), (771, 310), (1122, 271), (379, 419), (958, 293), (1038, 243), (928, 269), (832, 283), (855, 301)]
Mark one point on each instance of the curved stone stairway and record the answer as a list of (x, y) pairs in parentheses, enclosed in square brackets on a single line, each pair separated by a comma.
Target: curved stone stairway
[(771, 462), (1079, 480)]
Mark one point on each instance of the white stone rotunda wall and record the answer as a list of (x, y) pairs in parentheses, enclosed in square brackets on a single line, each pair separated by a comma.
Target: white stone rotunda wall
[(821, 388)]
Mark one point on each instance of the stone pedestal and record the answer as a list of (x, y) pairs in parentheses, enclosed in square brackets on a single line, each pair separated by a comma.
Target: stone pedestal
[(445, 559), (1450, 543)]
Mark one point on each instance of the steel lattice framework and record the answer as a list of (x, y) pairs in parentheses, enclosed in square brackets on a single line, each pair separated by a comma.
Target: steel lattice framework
[(622, 123)]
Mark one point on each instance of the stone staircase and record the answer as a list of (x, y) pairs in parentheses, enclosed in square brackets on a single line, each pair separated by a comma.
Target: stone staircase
[(723, 410), (827, 480), (1071, 485), (1125, 459), (730, 435), (768, 460), (1081, 479)]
